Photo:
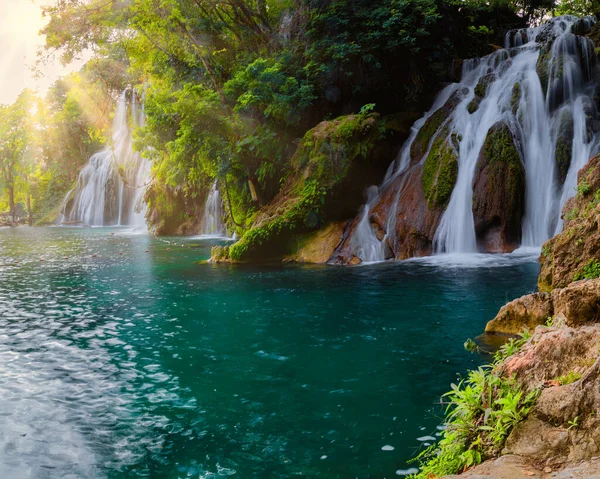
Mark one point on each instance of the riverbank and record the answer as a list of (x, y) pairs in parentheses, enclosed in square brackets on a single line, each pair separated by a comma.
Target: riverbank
[(534, 411)]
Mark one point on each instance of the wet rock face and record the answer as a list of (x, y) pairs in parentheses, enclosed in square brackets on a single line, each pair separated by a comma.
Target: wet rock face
[(564, 145), (402, 219), (498, 192), (575, 252), (433, 124)]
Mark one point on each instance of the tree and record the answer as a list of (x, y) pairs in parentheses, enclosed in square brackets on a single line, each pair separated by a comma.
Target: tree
[(580, 8), (15, 136)]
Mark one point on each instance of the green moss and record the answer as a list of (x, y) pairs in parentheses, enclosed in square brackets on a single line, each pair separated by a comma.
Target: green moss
[(219, 253), (542, 65), (484, 83), (515, 97), (302, 212), (433, 124), (564, 145), (502, 155), (323, 160), (439, 172), (569, 378), (473, 106)]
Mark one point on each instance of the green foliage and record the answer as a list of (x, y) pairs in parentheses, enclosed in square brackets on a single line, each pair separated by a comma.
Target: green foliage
[(583, 188), (580, 8), (270, 88), (590, 271), (230, 86), (572, 214), (546, 249), (482, 410)]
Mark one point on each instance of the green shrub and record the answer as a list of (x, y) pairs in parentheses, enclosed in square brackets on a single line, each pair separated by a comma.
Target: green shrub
[(590, 271), (583, 188), (482, 410)]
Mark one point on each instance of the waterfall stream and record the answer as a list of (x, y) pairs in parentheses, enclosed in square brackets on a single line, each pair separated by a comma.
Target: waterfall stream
[(110, 188), (212, 221), (541, 86)]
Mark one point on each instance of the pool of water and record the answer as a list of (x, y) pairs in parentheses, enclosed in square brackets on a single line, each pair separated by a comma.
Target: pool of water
[(122, 355)]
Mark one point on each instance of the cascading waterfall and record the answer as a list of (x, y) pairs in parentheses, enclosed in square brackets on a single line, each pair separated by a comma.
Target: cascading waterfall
[(541, 86), (110, 188), (212, 222)]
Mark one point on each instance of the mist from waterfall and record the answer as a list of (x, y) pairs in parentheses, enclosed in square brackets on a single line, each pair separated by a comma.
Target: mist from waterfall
[(110, 188), (535, 113)]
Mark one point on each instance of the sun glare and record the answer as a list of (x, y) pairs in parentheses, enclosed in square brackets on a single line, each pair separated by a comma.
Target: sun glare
[(20, 24)]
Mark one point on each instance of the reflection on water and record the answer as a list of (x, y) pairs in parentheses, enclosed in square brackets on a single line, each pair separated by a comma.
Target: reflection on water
[(121, 357)]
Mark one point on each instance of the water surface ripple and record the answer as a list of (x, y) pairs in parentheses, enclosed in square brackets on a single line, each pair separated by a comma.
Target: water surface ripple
[(121, 357)]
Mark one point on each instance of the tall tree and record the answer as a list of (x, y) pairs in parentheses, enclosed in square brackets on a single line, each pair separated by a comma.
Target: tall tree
[(15, 135)]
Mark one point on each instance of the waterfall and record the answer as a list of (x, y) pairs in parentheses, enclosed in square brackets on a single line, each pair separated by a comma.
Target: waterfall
[(541, 86), (110, 188), (212, 221)]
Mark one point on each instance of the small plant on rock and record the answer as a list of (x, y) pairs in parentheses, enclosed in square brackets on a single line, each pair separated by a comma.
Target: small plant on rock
[(482, 410)]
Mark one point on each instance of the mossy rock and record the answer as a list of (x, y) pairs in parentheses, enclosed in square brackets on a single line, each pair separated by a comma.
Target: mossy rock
[(328, 158), (440, 171), (515, 98), (484, 83), (499, 189), (541, 66), (433, 124), (564, 145), (473, 105)]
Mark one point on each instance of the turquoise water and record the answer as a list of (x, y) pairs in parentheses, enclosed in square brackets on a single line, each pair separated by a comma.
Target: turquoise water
[(121, 357)]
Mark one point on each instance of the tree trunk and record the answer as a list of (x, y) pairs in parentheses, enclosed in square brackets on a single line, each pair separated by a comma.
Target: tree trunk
[(29, 213), (11, 200), (253, 192)]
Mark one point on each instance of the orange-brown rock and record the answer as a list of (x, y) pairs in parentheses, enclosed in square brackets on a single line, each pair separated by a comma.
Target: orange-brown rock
[(575, 252)]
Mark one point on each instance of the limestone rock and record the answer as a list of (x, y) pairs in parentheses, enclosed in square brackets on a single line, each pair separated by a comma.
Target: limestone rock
[(526, 312), (317, 247), (580, 302)]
